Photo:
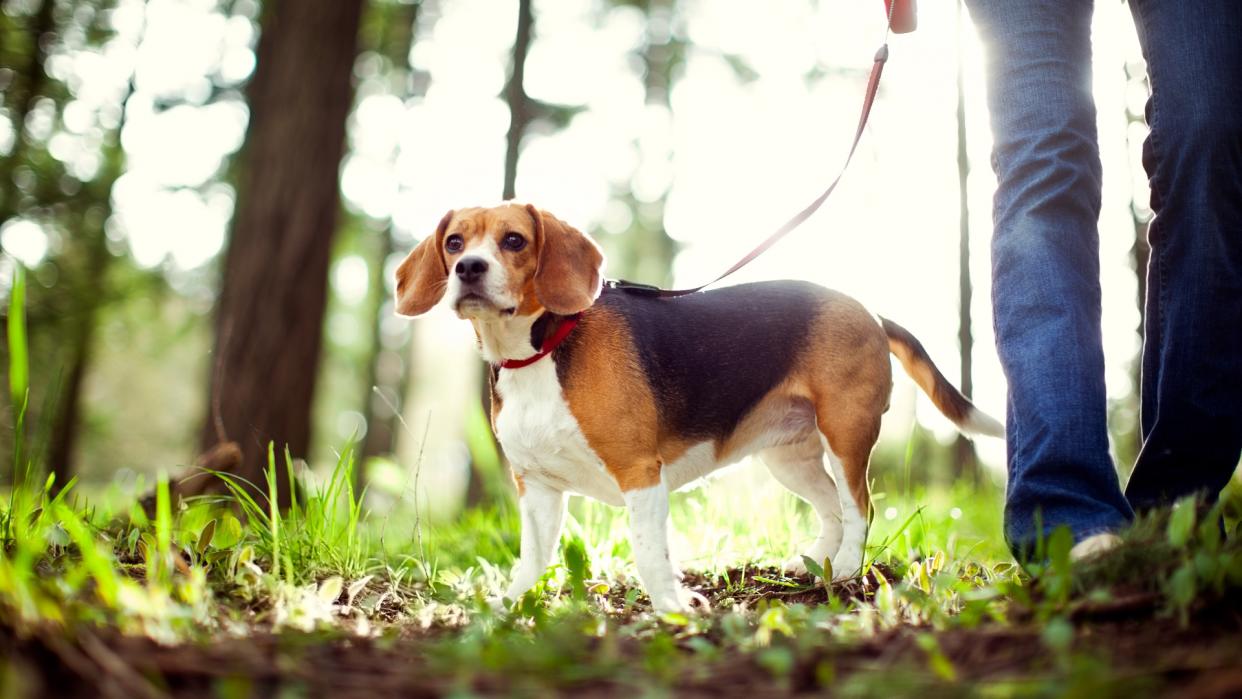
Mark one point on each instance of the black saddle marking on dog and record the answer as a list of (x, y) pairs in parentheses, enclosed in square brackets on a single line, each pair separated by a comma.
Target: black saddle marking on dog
[(712, 356)]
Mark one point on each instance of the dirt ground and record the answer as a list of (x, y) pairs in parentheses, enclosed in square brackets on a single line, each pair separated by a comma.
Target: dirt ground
[(1131, 649)]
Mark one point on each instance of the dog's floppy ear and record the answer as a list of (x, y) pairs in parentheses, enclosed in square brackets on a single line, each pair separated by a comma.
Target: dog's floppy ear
[(422, 276), (567, 279)]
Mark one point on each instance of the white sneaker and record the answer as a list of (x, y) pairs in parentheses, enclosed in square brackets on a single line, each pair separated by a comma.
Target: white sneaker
[(1094, 546)]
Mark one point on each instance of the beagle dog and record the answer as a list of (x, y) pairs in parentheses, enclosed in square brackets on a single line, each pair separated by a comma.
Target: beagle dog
[(626, 397)]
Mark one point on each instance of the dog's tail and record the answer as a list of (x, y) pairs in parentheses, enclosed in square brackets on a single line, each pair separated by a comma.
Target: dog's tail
[(944, 395)]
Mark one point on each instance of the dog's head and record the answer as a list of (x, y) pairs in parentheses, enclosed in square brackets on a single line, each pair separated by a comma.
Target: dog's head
[(504, 261)]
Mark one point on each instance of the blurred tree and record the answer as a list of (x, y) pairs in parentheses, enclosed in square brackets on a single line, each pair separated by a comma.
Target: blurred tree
[(92, 262), (270, 312), (521, 113), (389, 31), (1129, 436), (386, 377), (965, 461), (27, 40), (58, 177), (525, 114), (647, 253), (521, 106), (644, 251), (27, 174)]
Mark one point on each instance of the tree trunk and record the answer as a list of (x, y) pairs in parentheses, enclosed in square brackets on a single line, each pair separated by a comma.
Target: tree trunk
[(381, 418), (270, 313), (648, 252), (521, 113), (1140, 255), (23, 93), (384, 388), (965, 459), (18, 98), (68, 418), (93, 279)]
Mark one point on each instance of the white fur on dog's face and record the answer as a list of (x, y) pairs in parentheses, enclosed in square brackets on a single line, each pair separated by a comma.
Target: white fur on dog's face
[(487, 236), (490, 297)]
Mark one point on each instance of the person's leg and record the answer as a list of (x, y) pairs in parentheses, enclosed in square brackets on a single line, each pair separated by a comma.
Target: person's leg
[(1192, 354), (1045, 265)]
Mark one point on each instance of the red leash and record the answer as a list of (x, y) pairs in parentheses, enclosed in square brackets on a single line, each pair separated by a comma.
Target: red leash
[(901, 18)]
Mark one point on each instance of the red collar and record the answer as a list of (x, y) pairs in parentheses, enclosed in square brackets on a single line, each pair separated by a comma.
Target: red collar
[(562, 331)]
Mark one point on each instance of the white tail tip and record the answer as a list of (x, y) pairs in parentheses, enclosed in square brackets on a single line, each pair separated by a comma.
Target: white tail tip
[(979, 422)]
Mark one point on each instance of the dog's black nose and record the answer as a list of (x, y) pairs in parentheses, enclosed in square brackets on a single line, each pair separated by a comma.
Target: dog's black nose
[(469, 269)]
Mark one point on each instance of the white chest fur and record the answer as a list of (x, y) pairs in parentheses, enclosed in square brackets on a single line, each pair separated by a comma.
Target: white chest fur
[(541, 437)]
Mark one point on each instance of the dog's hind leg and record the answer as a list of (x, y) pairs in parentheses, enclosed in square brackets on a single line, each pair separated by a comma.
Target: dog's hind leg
[(800, 468), (848, 444)]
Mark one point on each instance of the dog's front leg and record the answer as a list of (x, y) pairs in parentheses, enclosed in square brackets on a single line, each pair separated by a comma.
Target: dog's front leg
[(542, 510), (648, 509)]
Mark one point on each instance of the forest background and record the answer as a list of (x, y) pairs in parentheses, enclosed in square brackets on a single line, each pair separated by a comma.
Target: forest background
[(211, 197)]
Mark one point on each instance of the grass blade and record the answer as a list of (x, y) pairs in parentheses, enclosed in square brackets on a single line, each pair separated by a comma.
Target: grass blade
[(19, 375), (163, 529), (273, 508), (19, 359), (94, 558)]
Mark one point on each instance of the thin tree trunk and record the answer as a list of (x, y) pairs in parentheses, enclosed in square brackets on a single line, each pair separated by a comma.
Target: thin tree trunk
[(68, 418), (24, 93), (653, 250), (269, 316), (65, 426), (380, 411), (521, 114), (380, 430), (1140, 254), (966, 460)]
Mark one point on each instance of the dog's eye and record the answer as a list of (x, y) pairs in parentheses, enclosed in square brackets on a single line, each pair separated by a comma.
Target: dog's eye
[(512, 241), (454, 243)]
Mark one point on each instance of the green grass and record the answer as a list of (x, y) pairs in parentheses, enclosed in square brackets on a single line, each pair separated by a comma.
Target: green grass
[(941, 607), (197, 572)]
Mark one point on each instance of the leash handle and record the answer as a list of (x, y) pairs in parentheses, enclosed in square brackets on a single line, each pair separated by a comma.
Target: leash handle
[(873, 85), (902, 15)]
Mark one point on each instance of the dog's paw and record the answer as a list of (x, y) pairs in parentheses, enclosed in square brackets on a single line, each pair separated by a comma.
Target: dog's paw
[(694, 602), (794, 566), (846, 565), (681, 601)]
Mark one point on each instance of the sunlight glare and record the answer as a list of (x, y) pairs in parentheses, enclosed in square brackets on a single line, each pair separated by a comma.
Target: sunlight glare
[(25, 240)]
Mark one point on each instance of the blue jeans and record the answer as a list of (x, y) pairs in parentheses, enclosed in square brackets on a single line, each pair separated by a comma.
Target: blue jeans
[(1046, 265)]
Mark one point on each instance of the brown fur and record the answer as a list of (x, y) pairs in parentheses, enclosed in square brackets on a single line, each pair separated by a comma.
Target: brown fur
[(603, 381), (844, 375), (495, 400), (909, 351), (421, 276), (567, 279)]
